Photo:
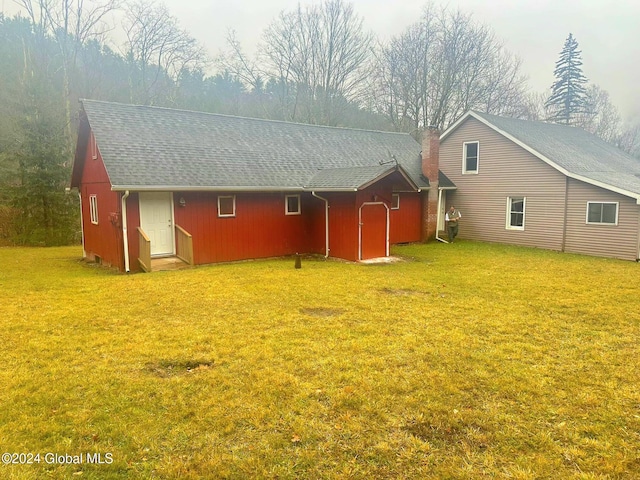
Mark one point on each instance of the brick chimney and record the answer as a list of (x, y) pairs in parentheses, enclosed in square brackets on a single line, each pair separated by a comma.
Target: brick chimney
[(430, 166), (430, 153)]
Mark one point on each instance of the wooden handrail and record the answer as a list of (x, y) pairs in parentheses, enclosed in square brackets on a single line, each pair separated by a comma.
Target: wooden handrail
[(184, 245), (145, 251)]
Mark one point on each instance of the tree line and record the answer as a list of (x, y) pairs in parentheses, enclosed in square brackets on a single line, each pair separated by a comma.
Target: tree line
[(314, 64)]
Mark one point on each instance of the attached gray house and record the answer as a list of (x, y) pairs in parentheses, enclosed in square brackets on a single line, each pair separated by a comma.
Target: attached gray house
[(541, 185)]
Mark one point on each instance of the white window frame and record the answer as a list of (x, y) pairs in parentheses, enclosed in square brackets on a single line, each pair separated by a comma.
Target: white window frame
[(93, 147), (510, 200), (464, 158), (395, 205), (93, 209), (227, 215), (617, 204), (286, 205)]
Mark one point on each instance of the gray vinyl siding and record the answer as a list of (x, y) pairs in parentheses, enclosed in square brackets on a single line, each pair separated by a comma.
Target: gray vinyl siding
[(616, 241), (504, 170)]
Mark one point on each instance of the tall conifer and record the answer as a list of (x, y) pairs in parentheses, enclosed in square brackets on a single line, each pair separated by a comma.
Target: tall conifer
[(568, 97)]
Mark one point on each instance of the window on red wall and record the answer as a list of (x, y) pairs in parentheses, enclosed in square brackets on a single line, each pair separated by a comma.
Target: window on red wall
[(94, 147), (93, 209), (292, 205), (227, 206), (395, 201)]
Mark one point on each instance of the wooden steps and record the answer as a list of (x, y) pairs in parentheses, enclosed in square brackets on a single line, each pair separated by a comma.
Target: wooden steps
[(167, 263)]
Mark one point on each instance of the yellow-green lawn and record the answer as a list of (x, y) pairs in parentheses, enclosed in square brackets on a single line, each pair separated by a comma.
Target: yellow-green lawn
[(464, 361)]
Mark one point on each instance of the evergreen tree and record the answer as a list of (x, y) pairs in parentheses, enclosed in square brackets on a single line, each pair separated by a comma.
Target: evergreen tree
[(568, 97)]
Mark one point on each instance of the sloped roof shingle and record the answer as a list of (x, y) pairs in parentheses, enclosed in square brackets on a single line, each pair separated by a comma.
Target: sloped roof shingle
[(574, 151), (150, 148)]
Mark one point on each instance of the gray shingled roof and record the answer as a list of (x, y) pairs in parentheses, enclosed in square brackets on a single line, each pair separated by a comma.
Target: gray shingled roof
[(348, 178), (573, 151), (146, 147)]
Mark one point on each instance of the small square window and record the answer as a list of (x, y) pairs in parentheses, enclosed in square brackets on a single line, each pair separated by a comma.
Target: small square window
[(227, 206), (515, 213), (292, 204), (93, 209), (471, 156), (395, 201), (603, 213)]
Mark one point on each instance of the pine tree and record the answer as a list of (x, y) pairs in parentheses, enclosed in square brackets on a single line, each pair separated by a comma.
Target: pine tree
[(568, 97)]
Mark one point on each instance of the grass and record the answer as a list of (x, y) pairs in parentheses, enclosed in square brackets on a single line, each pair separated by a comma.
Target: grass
[(465, 361)]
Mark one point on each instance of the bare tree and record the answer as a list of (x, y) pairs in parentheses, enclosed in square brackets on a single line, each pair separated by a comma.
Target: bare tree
[(317, 57), (601, 117), (443, 66), (158, 50), (72, 23), (629, 139)]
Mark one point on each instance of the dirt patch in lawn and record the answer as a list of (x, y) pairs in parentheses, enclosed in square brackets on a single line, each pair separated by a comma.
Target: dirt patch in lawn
[(170, 368), (401, 291), (321, 311), (447, 434)]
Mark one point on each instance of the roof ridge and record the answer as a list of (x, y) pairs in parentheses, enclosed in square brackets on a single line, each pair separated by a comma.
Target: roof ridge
[(538, 122), (266, 120)]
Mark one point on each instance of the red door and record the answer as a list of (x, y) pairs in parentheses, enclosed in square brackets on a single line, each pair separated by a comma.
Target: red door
[(373, 230)]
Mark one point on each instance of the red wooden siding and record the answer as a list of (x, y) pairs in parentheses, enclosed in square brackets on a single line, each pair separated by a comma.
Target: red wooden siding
[(343, 226), (133, 222), (105, 238), (259, 229), (405, 222)]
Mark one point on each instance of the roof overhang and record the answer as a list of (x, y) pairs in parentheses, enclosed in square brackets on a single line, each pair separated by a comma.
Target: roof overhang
[(366, 177), (202, 188), (542, 157)]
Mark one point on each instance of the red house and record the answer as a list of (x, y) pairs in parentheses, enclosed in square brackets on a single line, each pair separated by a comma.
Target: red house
[(156, 182)]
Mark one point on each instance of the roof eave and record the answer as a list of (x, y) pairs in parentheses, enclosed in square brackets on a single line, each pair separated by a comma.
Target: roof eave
[(205, 188), (395, 168), (330, 189)]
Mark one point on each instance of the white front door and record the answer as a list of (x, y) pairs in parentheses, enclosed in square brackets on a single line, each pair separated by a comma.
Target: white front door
[(156, 219)]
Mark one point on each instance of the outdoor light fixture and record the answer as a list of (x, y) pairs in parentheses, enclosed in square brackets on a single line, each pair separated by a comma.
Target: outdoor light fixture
[(182, 202)]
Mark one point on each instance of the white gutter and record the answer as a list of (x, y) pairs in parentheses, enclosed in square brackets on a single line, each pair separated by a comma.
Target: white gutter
[(125, 239), (438, 216), (326, 217), (84, 252), (178, 188)]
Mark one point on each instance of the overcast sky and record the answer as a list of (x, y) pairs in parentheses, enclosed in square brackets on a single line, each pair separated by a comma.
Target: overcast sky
[(535, 30)]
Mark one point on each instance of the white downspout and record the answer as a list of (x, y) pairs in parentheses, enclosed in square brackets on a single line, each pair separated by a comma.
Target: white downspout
[(326, 219), (438, 216), (125, 239), (84, 252)]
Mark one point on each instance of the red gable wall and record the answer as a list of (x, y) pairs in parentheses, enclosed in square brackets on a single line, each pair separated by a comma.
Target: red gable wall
[(104, 239)]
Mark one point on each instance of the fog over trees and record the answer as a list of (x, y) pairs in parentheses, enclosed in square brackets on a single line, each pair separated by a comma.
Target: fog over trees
[(315, 64)]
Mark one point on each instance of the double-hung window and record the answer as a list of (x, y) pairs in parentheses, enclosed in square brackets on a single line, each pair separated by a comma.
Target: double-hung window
[(470, 157), (602, 213), (515, 213)]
